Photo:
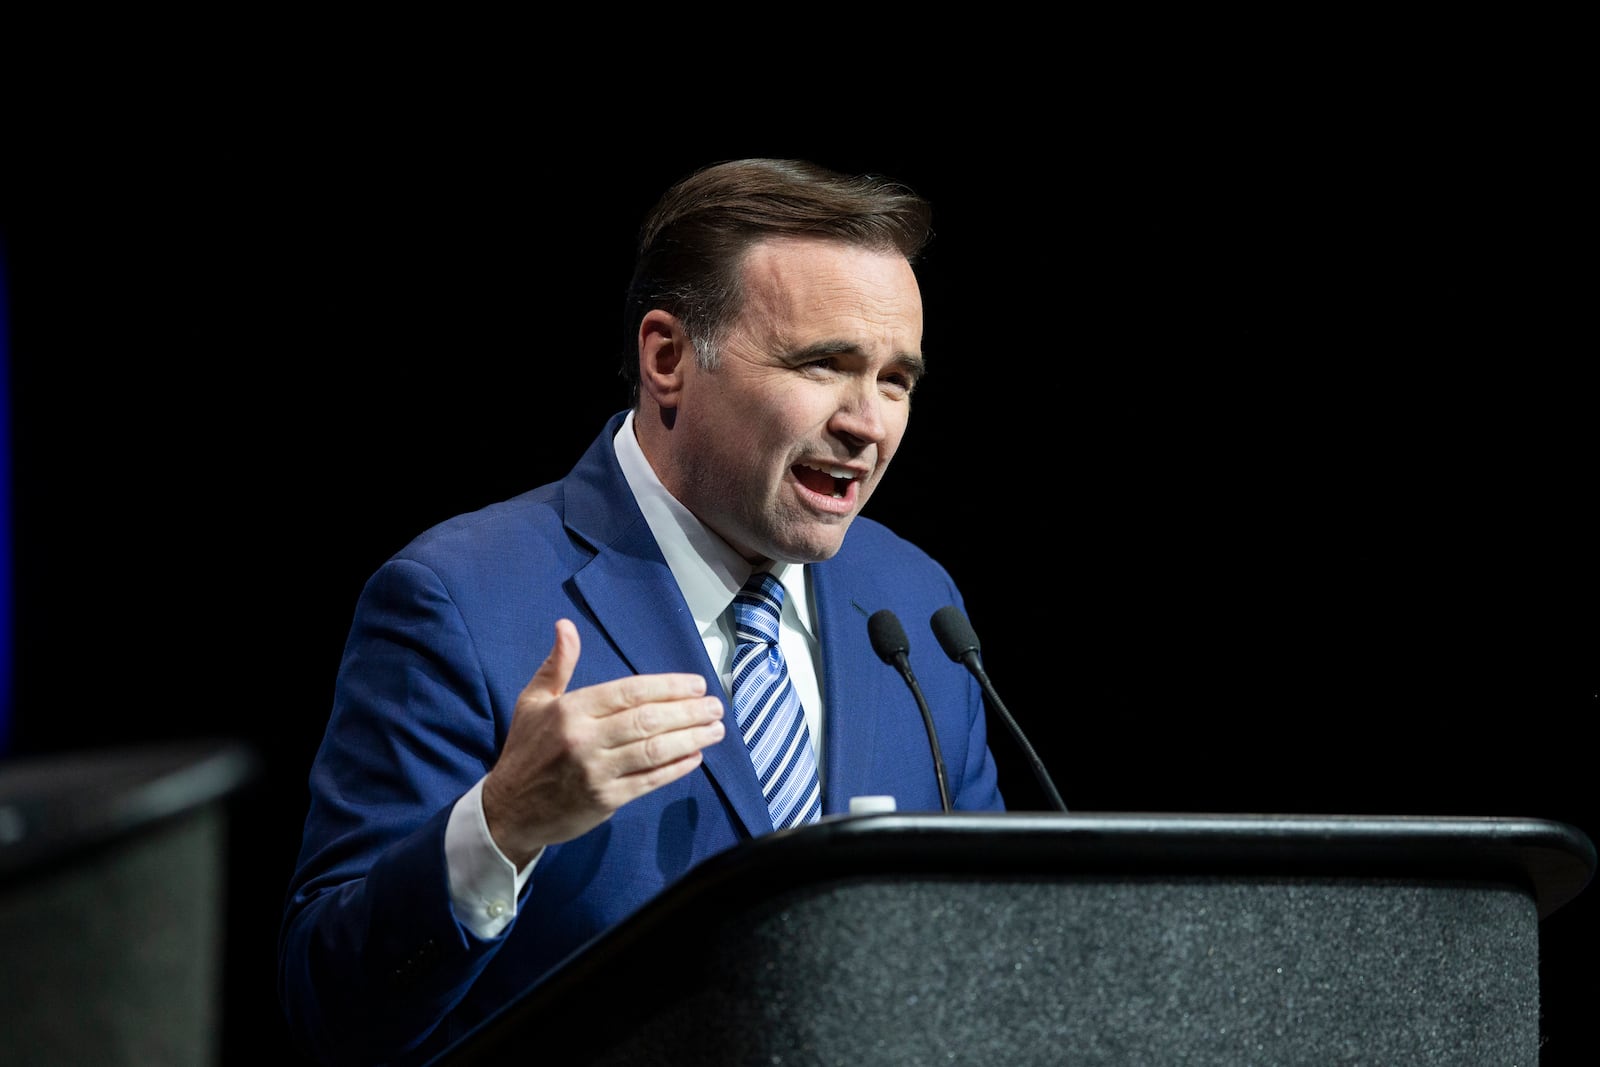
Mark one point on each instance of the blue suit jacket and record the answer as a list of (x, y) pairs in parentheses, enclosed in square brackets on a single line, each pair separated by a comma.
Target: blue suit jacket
[(373, 966)]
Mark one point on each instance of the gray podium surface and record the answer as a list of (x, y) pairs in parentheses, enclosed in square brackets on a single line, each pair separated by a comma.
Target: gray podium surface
[(112, 892), (1035, 938)]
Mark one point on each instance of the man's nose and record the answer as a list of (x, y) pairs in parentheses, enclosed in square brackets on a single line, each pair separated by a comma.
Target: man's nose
[(860, 414)]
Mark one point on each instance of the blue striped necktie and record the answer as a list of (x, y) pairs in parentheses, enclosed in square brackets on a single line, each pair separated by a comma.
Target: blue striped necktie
[(768, 710)]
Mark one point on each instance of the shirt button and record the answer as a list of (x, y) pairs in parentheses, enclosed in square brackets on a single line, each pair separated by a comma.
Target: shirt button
[(496, 909)]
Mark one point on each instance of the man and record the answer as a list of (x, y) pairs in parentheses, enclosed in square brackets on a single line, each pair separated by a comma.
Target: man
[(469, 828)]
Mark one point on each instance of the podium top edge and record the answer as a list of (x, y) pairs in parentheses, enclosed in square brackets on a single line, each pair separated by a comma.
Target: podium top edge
[(1556, 859), (1213, 823)]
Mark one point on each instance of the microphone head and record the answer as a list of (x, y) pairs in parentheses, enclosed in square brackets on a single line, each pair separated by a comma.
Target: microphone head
[(954, 632), (888, 636)]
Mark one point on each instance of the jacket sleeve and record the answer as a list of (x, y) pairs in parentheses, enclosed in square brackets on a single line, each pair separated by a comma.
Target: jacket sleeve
[(371, 957)]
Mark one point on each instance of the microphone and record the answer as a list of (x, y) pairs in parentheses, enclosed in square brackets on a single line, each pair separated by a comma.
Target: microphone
[(890, 643), (960, 643)]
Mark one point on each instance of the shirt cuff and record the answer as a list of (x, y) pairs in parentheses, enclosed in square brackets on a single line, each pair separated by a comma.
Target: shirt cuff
[(484, 886)]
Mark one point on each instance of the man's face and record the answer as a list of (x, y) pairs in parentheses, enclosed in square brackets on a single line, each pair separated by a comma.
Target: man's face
[(780, 447)]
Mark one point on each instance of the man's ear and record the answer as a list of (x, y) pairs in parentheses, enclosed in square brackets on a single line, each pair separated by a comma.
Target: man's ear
[(664, 353)]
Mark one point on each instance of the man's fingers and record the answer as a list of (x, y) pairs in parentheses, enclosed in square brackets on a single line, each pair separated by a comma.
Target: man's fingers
[(653, 778), (645, 691), (700, 727), (644, 721), (648, 765)]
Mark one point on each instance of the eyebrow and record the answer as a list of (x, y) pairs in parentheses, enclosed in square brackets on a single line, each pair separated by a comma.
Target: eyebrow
[(913, 362)]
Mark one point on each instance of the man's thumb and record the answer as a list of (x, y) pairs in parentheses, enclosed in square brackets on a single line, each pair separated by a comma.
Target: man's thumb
[(556, 671)]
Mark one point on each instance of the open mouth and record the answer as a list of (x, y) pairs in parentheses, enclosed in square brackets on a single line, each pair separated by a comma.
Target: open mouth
[(828, 481)]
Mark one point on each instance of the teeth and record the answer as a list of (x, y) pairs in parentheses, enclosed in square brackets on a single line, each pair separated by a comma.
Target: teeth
[(833, 472)]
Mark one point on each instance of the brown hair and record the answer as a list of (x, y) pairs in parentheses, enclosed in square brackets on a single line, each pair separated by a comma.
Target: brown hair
[(693, 241)]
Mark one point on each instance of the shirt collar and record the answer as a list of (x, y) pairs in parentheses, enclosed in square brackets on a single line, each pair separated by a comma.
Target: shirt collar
[(708, 571)]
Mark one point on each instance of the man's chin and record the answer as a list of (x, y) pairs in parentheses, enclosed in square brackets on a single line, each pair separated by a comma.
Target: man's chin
[(820, 545)]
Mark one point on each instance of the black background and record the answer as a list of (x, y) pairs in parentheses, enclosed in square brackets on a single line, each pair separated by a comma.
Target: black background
[(1284, 391)]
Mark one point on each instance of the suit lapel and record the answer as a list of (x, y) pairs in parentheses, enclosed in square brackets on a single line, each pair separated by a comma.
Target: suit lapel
[(853, 679), (630, 591)]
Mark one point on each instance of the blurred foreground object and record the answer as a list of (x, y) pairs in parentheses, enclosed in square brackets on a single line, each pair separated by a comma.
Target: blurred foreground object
[(112, 890)]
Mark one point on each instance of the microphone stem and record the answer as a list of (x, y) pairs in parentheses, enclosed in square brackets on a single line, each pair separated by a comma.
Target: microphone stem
[(1034, 761), (927, 720)]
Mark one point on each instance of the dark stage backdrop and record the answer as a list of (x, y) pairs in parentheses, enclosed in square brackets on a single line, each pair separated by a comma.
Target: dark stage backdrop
[(1290, 407)]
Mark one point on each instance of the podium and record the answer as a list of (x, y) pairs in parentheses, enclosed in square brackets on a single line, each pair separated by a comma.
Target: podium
[(1023, 938)]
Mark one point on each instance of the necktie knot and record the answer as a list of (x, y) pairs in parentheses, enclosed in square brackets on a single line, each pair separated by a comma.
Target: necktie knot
[(756, 609)]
